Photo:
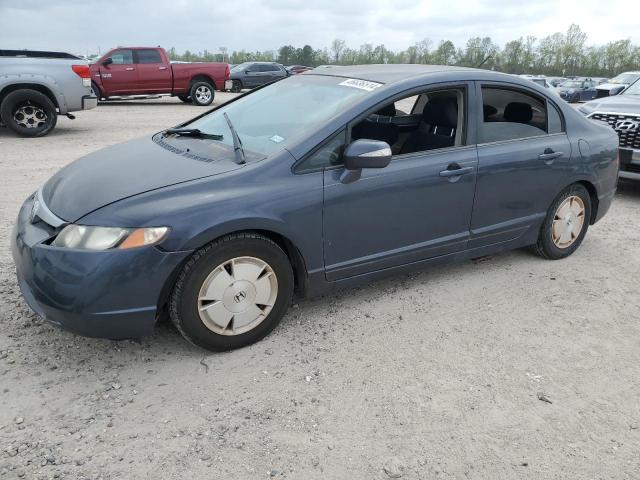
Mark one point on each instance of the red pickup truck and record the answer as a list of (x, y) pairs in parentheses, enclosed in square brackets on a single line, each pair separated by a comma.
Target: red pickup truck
[(145, 70)]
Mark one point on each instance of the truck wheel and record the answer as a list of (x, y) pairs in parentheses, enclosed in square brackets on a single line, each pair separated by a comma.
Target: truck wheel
[(202, 93), (237, 86), (185, 98), (29, 113)]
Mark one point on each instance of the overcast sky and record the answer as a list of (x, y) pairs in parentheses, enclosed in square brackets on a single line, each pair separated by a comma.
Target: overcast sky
[(83, 26)]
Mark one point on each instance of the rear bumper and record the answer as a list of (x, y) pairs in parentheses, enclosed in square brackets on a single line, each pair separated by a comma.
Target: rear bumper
[(111, 294), (228, 84), (89, 102)]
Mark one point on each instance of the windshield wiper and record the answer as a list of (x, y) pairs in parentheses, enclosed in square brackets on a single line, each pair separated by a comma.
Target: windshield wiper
[(193, 132), (237, 143)]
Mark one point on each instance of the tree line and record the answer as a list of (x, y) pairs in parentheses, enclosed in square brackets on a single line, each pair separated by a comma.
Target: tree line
[(559, 54)]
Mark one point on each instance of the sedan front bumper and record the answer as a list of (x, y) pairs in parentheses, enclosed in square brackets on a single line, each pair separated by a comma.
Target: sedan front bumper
[(111, 294)]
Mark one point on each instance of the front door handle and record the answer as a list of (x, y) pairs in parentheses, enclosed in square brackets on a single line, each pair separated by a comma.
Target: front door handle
[(455, 170), (549, 156), (128, 69), (162, 68)]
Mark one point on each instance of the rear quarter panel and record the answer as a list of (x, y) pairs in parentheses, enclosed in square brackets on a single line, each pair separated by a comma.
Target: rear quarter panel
[(53, 73), (184, 73)]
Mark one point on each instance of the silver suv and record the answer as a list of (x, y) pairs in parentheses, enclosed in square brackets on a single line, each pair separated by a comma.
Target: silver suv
[(36, 87)]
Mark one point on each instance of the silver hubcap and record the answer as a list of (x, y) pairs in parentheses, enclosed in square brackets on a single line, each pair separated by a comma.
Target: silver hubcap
[(237, 295), (29, 116), (568, 222), (203, 94)]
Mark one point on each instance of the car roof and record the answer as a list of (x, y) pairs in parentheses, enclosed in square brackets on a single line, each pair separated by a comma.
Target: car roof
[(392, 73)]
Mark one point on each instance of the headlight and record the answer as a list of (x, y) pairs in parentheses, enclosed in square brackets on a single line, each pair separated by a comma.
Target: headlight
[(105, 238)]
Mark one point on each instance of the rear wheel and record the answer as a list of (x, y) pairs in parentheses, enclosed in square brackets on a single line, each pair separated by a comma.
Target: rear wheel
[(236, 86), (232, 292), (29, 113), (202, 93), (566, 224)]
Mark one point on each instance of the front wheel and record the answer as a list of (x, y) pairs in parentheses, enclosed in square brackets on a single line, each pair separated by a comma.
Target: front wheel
[(566, 224), (29, 113), (202, 93), (232, 292)]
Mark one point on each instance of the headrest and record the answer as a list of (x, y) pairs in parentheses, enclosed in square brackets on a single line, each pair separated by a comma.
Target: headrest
[(489, 110), (441, 112), (518, 112), (388, 110)]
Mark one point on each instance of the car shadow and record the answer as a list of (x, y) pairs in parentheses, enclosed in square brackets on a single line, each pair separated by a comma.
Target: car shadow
[(629, 188)]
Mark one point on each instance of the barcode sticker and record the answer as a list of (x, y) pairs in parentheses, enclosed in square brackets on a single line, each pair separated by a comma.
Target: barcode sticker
[(361, 84)]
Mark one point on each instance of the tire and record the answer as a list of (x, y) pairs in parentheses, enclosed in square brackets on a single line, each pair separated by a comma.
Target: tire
[(236, 86), (95, 89), (202, 93), (185, 98), (29, 113), (550, 244), (210, 270)]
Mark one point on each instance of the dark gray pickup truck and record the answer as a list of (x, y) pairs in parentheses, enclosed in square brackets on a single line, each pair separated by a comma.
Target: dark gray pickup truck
[(36, 87), (622, 112)]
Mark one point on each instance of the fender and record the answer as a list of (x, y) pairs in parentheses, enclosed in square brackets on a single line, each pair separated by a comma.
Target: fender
[(46, 81)]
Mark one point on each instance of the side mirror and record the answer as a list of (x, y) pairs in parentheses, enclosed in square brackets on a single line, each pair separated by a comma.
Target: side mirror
[(616, 90), (107, 61), (364, 154)]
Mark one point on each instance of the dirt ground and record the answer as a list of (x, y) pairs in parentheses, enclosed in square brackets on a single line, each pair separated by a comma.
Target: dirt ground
[(431, 376)]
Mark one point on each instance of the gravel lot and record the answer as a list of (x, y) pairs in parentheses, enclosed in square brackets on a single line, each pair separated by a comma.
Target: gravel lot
[(429, 376)]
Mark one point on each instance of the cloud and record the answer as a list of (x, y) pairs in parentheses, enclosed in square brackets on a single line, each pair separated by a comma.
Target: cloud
[(84, 26)]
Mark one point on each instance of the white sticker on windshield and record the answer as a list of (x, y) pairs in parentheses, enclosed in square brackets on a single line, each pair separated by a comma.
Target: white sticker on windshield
[(361, 84), (276, 139)]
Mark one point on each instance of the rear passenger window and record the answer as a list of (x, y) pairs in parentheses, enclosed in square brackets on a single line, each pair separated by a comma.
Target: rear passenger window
[(149, 56), (510, 114)]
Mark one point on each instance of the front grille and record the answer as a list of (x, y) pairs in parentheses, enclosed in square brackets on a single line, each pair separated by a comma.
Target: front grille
[(628, 138), (631, 167)]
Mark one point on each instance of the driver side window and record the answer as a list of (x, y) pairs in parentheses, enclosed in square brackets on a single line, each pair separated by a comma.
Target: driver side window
[(122, 57)]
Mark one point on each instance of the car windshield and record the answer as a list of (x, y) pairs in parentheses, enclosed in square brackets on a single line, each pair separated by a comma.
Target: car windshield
[(571, 84), (633, 89), (625, 78), (271, 118)]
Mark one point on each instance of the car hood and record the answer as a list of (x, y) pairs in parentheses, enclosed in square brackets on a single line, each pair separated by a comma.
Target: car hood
[(131, 168), (609, 86), (616, 104)]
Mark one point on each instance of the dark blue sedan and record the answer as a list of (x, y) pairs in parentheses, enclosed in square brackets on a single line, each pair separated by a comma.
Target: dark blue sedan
[(322, 181)]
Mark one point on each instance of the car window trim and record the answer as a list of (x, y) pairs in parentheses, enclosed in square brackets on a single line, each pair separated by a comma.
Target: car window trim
[(511, 140)]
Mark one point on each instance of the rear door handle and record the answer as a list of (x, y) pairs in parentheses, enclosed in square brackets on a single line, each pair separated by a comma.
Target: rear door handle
[(549, 155), (162, 68), (455, 170), (128, 69)]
